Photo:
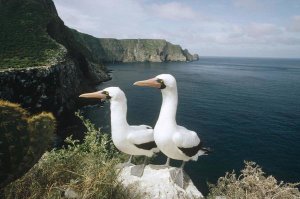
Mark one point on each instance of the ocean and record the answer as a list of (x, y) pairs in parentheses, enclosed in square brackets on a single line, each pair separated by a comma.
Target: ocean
[(242, 108)]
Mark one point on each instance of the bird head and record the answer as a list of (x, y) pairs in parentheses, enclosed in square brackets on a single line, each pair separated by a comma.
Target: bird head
[(110, 93), (162, 81)]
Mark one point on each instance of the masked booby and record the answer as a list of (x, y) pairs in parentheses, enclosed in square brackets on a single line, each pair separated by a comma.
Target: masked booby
[(175, 141), (132, 140)]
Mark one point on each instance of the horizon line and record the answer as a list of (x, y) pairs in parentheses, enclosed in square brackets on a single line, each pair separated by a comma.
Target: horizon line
[(229, 56)]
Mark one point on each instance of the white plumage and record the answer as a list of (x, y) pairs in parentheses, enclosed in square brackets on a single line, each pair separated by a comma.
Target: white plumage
[(174, 141), (132, 140)]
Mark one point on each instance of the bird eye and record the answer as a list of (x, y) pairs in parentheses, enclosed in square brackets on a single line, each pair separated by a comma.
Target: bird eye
[(160, 81), (107, 94)]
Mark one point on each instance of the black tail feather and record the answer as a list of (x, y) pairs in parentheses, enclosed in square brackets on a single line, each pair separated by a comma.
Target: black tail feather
[(206, 150)]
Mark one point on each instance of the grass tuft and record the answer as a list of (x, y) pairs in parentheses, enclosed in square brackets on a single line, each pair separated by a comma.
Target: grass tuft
[(252, 183)]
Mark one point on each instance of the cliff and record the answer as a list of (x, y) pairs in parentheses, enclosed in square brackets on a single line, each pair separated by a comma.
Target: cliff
[(41, 64), (52, 87), (133, 50)]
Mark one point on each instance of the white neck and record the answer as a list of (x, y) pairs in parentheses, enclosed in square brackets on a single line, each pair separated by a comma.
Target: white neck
[(118, 115), (168, 109)]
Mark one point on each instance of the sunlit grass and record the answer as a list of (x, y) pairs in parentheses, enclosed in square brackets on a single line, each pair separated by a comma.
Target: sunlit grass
[(252, 183)]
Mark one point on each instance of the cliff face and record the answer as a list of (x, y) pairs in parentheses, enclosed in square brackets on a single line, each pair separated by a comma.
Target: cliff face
[(133, 50), (42, 66), (141, 50), (52, 88)]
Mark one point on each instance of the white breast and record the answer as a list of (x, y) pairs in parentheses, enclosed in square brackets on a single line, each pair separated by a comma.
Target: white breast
[(163, 138)]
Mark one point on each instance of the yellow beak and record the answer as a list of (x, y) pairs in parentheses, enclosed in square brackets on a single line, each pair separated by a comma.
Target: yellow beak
[(97, 95), (149, 83)]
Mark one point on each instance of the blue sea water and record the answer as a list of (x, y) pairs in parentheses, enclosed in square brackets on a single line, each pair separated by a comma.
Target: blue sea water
[(242, 108)]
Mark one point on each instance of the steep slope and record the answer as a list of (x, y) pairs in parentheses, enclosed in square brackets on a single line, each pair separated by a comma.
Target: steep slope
[(23, 38)]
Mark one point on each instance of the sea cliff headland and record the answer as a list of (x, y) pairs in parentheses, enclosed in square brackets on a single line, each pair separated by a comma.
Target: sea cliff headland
[(44, 65)]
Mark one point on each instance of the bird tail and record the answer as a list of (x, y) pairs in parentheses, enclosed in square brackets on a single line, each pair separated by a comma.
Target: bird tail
[(202, 151), (206, 150)]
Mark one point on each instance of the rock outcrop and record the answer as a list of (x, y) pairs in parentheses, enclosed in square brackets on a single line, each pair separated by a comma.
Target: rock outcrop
[(157, 184), (195, 57), (24, 139)]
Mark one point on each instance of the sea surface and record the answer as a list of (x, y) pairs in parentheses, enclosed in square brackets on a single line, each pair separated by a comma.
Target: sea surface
[(242, 108)]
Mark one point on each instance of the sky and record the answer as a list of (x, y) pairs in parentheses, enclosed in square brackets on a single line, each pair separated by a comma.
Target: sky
[(235, 28)]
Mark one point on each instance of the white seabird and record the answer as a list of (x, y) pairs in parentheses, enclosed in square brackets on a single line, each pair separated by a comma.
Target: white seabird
[(132, 140), (174, 141)]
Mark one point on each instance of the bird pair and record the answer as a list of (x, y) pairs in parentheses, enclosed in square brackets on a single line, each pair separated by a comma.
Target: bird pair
[(175, 141)]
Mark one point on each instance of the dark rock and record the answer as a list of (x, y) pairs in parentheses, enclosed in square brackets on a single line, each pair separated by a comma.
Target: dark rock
[(55, 86), (189, 57)]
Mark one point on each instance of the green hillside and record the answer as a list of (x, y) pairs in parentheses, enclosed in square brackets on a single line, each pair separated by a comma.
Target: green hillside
[(24, 41)]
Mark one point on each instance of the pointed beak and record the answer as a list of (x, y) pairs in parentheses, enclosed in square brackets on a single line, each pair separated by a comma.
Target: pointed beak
[(149, 83), (97, 95)]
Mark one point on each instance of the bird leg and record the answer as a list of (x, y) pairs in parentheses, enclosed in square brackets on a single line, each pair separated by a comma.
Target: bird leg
[(125, 164), (164, 166), (138, 170), (182, 165), (129, 161), (167, 162), (177, 175)]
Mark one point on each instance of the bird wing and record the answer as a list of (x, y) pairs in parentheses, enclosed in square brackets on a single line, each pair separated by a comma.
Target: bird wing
[(140, 134), (184, 138)]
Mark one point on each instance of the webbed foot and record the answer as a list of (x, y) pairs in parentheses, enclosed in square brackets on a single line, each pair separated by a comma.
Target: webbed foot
[(177, 176), (137, 170)]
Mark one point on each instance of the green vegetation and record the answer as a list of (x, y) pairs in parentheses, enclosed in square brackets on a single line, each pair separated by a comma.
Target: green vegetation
[(82, 168), (24, 139), (252, 183), (149, 45), (24, 41)]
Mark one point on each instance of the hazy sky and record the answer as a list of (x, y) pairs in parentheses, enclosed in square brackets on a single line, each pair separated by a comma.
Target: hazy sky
[(247, 28)]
